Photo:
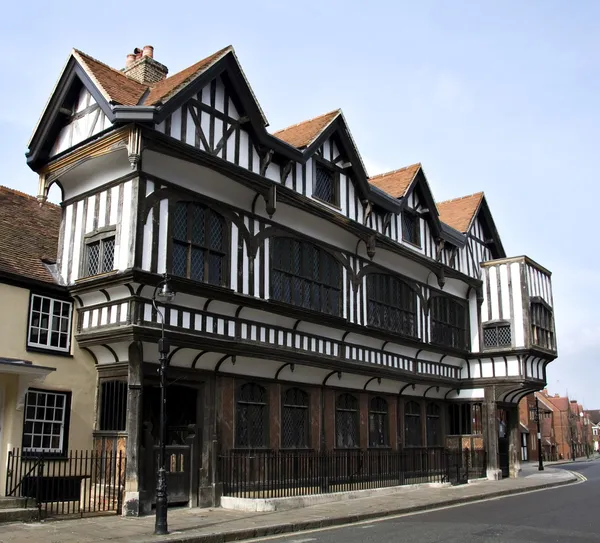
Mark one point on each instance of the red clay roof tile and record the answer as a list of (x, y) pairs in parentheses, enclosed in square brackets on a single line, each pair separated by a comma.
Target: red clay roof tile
[(396, 182), (28, 234), (459, 212), (302, 134)]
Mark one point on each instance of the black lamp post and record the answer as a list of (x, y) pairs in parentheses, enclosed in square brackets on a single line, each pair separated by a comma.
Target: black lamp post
[(164, 293), (539, 435)]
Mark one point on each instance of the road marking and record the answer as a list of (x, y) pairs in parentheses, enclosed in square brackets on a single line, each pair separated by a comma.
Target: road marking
[(580, 476), (303, 540), (367, 526)]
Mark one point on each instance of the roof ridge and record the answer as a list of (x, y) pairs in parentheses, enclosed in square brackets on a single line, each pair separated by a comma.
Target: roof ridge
[(79, 52), (338, 111), (404, 168), (25, 195), (480, 193)]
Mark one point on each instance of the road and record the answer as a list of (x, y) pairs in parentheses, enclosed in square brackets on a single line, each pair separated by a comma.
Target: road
[(568, 514)]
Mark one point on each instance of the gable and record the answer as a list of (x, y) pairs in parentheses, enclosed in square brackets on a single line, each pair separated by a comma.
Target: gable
[(83, 120)]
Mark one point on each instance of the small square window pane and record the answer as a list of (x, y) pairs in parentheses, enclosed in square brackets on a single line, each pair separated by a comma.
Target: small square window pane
[(37, 303)]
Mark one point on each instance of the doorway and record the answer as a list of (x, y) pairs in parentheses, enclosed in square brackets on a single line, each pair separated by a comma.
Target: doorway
[(182, 445), (503, 442)]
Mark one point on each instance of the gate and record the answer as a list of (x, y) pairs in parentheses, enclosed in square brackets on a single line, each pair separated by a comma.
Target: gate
[(83, 482)]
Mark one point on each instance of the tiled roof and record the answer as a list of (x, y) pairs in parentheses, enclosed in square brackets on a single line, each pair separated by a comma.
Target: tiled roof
[(396, 183), (28, 234), (303, 134), (118, 88), (459, 213), (163, 90), (115, 86)]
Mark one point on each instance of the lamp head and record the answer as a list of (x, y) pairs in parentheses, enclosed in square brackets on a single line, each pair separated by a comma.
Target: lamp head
[(165, 293)]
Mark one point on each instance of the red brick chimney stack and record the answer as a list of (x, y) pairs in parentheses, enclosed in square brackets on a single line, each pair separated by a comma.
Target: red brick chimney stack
[(141, 66)]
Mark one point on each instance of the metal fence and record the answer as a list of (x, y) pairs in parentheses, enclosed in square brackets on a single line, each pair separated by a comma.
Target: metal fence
[(85, 482), (265, 474)]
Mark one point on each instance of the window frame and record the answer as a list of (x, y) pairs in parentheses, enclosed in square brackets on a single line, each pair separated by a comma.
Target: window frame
[(306, 281), (47, 348), (386, 280), (383, 440), (413, 416), (207, 250), (99, 236), (497, 324), (537, 306), (122, 403), (412, 214), (354, 418), (335, 180), (28, 452), (429, 418), (306, 415), (446, 324), (265, 416), (468, 417)]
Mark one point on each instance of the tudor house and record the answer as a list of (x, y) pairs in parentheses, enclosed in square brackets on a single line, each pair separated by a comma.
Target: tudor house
[(317, 308)]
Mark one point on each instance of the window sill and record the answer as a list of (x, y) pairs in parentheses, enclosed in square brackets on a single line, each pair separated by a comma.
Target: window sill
[(90, 278), (52, 352), (411, 244), (337, 207)]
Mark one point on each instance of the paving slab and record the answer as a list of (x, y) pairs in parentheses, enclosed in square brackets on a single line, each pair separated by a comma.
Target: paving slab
[(220, 525)]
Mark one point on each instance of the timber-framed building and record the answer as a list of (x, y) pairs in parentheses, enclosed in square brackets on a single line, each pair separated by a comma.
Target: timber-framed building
[(317, 308)]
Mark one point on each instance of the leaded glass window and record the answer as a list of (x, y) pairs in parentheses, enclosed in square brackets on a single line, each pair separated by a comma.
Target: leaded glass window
[(496, 335), (412, 425), (347, 422), (49, 323), (45, 421), (434, 425), (305, 275), (199, 244), (410, 227), (326, 185), (295, 421), (378, 423), (392, 304), (252, 418), (542, 327), (100, 256), (448, 322)]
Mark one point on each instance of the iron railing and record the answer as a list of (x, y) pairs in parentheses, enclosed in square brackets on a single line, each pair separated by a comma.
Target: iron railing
[(83, 482), (266, 474)]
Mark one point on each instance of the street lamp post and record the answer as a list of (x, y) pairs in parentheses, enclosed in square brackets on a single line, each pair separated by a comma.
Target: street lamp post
[(539, 435), (164, 293)]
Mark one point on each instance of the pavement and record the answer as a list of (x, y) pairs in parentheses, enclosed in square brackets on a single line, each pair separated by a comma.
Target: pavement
[(220, 525)]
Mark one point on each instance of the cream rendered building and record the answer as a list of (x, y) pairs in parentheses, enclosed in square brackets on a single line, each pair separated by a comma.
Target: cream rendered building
[(47, 383)]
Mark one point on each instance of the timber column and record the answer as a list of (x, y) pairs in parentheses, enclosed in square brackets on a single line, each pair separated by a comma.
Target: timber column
[(514, 448), (133, 504), (490, 433)]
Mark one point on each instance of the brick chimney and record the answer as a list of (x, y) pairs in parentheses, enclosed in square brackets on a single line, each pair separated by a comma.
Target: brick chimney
[(141, 66)]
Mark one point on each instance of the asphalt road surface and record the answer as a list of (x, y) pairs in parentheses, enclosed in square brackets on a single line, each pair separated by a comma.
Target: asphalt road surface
[(569, 514)]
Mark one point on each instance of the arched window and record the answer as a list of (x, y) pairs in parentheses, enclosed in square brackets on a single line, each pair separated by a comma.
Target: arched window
[(378, 423), (434, 426), (305, 275), (448, 322), (199, 244), (412, 424), (252, 417), (392, 304), (294, 418), (346, 422)]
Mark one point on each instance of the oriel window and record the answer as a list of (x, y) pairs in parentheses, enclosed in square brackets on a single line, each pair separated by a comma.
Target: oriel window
[(199, 244), (392, 304), (448, 322), (100, 256)]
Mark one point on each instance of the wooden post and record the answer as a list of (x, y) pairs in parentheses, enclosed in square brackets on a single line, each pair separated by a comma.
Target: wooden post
[(208, 493), (514, 449), (490, 433), (134, 503)]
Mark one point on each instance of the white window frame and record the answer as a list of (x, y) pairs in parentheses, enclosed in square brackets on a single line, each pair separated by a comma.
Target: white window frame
[(50, 331), (45, 420)]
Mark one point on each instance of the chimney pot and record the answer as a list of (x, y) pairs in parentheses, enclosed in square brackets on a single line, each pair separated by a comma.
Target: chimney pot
[(148, 51), (130, 60)]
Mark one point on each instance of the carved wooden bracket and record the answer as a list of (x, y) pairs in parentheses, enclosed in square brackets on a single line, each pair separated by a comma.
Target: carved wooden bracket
[(134, 146), (387, 221), (270, 197), (368, 210), (285, 170), (265, 159)]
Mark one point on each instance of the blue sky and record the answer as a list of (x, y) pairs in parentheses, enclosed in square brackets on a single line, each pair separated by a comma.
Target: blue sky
[(493, 96)]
